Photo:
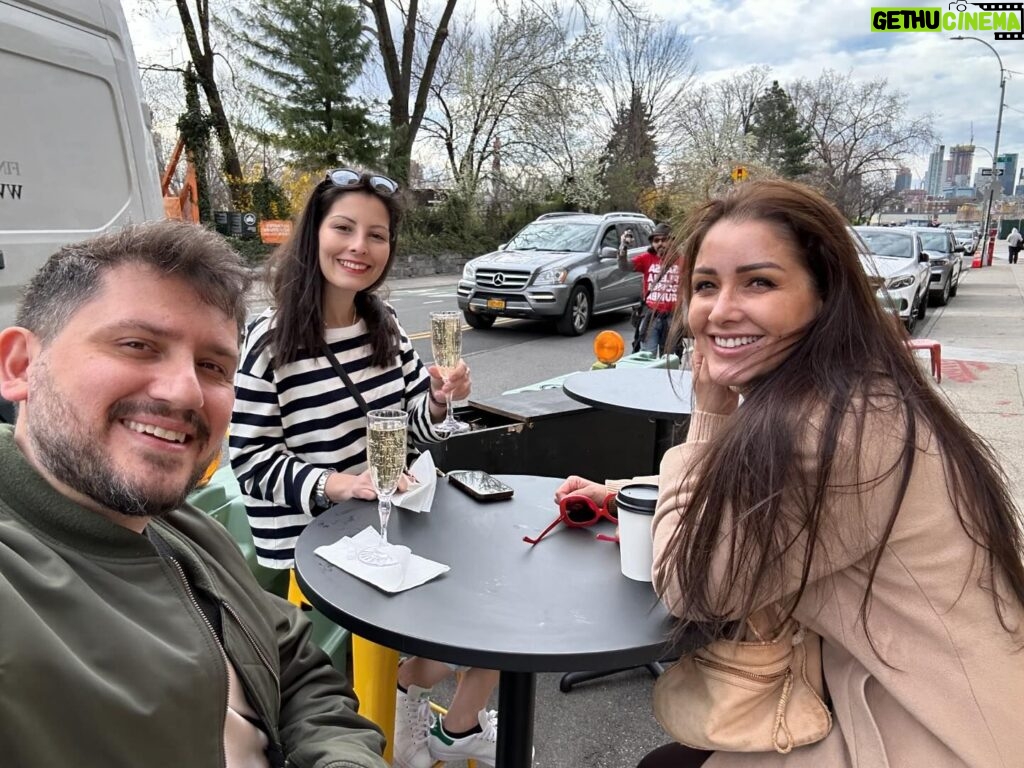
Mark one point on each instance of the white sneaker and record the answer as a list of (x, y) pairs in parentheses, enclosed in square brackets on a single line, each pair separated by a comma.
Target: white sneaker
[(412, 725), (477, 746)]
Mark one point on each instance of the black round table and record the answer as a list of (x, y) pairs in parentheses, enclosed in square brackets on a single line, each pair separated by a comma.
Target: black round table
[(656, 392), (666, 396), (562, 605)]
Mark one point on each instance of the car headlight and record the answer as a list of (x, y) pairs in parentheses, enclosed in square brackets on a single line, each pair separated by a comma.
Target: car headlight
[(895, 283), (940, 262), (552, 277), (469, 272)]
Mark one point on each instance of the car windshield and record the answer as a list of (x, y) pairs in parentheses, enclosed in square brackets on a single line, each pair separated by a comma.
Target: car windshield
[(963, 234), (554, 236), (888, 244), (934, 241)]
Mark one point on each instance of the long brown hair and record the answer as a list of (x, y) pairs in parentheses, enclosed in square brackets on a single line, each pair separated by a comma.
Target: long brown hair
[(852, 348), (297, 283)]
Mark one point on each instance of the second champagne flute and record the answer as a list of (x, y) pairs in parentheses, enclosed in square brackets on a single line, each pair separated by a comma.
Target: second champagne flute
[(386, 447), (446, 344)]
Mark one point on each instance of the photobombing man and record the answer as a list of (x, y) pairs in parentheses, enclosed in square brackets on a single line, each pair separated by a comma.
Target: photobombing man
[(133, 630), (660, 288)]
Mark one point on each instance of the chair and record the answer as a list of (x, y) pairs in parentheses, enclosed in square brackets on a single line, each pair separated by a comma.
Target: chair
[(374, 674), (374, 678), (935, 351)]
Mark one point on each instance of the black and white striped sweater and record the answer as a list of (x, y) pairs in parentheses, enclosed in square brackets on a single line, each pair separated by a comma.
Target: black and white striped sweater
[(289, 423)]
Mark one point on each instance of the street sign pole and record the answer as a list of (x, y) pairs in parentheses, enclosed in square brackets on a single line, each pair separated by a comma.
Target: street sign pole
[(999, 125), (995, 155)]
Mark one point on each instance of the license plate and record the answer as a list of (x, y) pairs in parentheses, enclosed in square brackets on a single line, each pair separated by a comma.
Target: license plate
[(495, 303)]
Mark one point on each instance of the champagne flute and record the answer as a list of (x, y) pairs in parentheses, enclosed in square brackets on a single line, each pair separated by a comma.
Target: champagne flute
[(386, 446), (446, 343)]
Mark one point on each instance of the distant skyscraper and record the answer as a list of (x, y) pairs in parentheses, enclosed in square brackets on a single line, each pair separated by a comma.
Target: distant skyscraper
[(961, 158), (904, 179), (947, 173), (934, 180)]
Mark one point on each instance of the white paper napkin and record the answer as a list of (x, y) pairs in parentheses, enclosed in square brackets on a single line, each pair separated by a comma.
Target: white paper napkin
[(420, 494), (409, 571)]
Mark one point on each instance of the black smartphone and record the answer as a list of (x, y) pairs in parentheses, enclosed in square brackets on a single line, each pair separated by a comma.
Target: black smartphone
[(480, 485)]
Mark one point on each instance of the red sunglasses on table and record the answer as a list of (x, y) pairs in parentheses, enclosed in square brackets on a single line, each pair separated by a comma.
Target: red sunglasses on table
[(578, 511)]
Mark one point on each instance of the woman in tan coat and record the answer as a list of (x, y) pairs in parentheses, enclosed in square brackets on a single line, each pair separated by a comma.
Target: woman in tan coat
[(843, 490)]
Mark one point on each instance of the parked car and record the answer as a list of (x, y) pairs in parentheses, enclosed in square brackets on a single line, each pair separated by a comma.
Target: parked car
[(967, 238), (947, 263), (899, 269), (562, 267)]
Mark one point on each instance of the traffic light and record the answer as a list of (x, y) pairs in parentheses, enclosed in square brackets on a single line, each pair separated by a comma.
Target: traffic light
[(739, 173)]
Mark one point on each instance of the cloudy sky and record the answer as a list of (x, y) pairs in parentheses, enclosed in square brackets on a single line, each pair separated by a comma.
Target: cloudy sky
[(956, 81)]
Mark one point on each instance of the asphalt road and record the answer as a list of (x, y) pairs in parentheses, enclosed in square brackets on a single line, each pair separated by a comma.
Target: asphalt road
[(511, 354)]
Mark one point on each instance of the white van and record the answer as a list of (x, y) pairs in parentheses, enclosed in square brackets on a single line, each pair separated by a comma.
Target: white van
[(76, 154)]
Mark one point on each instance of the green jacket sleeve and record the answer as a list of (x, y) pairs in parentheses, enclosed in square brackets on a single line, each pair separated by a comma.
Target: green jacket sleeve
[(319, 726)]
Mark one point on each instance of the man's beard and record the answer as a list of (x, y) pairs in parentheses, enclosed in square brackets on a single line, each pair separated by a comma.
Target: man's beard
[(61, 443)]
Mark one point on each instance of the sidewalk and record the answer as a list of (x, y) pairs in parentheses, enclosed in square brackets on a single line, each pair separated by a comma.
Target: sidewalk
[(982, 337)]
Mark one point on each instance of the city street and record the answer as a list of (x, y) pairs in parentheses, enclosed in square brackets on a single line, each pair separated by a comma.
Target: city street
[(512, 354)]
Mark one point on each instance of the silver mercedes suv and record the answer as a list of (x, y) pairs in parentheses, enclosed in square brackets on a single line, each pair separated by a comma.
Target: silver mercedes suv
[(561, 267)]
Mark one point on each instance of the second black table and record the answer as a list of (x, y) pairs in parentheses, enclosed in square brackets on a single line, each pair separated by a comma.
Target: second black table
[(662, 394)]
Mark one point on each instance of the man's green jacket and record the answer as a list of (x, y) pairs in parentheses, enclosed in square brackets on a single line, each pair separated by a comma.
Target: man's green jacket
[(107, 659)]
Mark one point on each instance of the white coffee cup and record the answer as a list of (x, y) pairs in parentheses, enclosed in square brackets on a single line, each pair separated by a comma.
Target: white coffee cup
[(635, 504)]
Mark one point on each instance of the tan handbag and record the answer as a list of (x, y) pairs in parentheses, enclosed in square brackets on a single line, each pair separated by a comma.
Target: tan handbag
[(756, 695)]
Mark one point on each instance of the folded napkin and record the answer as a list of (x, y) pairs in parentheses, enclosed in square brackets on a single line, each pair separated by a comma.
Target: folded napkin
[(409, 571), (420, 494)]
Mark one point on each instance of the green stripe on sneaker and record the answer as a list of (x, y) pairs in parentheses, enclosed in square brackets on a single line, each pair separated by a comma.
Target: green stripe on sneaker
[(438, 732)]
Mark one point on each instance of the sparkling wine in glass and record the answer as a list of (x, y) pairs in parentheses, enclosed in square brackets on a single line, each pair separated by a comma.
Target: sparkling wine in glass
[(446, 344), (386, 446)]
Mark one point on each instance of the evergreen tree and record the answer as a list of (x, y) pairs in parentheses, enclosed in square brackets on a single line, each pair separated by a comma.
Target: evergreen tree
[(628, 165), (782, 143), (308, 53)]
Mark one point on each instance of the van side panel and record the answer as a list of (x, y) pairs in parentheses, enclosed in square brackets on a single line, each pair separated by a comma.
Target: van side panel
[(76, 156)]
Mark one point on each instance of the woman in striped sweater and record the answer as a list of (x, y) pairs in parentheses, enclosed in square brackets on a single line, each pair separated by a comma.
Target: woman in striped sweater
[(298, 435)]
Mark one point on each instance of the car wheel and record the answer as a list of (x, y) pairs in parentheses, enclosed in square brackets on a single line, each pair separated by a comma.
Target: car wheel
[(922, 305), (478, 321), (943, 298), (577, 313), (956, 285), (911, 322)]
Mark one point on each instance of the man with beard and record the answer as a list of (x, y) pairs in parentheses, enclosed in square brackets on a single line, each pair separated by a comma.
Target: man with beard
[(133, 633), (660, 288)]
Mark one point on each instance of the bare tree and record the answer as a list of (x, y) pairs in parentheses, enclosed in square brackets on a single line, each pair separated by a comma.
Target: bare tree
[(649, 59), (398, 64), (497, 94), (858, 131), (876, 193), (196, 28), (741, 93), (714, 121), (411, 48)]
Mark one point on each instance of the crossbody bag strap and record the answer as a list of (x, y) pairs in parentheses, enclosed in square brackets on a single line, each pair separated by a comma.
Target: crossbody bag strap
[(352, 388)]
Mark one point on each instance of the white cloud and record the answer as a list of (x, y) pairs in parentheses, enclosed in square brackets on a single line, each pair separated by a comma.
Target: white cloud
[(956, 81)]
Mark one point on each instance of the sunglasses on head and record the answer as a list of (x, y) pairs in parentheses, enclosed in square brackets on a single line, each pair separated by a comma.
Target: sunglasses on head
[(346, 177), (578, 511)]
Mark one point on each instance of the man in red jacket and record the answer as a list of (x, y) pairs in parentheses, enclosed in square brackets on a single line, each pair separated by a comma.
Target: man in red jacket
[(660, 290)]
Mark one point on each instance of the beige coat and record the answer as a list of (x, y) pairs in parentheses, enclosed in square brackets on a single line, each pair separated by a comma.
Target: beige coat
[(954, 693)]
